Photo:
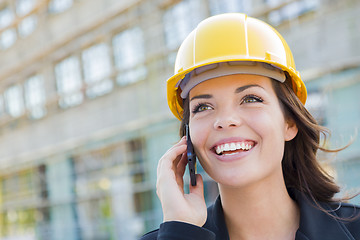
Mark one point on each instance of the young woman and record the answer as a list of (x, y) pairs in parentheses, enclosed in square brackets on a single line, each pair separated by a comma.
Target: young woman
[(236, 87)]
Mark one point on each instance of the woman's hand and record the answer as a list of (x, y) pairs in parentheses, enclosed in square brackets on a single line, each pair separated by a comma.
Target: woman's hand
[(176, 205)]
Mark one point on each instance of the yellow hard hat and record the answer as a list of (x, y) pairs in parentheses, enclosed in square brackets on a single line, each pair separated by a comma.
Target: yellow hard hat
[(231, 37)]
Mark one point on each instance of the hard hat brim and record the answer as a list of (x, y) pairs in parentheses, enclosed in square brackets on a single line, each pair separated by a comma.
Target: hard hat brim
[(174, 91)]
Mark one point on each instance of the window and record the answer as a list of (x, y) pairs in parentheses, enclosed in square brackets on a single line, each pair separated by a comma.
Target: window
[(68, 81), (290, 11), (28, 25), (2, 107), (18, 221), (57, 6), (8, 37), (180, 20), (108, 176), (220, 6), (35, 96), (129, 56), (6, 17), (316, 104), (97, 68), (14, 101)]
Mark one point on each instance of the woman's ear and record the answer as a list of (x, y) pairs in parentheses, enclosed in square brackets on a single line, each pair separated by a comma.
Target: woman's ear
[(291, 129)]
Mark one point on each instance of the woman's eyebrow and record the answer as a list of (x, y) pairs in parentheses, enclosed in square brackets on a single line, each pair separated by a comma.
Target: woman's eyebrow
[(206, 96), (243, 88), (238, 90)]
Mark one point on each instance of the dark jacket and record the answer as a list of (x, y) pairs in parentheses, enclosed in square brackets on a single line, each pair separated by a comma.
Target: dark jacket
[(314, 223)]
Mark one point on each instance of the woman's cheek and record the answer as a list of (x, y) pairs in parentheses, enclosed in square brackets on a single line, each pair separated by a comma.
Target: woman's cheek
[(261, 122), (199, 133)]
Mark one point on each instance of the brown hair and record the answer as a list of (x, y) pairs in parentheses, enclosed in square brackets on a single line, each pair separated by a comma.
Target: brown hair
[(300, 167)]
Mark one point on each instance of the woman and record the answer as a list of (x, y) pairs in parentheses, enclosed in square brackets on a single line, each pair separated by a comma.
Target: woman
[(236, 87)]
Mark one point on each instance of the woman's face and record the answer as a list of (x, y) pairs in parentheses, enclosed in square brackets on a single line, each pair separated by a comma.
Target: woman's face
[(238, 129)]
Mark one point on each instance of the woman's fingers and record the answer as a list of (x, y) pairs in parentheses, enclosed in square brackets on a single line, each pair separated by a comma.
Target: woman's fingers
[(172, 155), (182, 164), (167, 170), (176, 205), (199, 188), (180, 170)]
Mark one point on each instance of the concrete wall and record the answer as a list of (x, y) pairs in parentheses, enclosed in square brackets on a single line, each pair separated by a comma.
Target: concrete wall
[(324, 42)]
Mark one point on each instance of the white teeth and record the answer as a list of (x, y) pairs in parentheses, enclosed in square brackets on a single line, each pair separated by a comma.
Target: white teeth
[(232, 147), (218, 150)]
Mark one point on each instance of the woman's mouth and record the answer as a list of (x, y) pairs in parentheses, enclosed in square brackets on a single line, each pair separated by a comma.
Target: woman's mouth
[(233, 147)]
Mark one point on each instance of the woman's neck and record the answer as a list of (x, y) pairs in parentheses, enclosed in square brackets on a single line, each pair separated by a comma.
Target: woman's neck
[(259, 212)]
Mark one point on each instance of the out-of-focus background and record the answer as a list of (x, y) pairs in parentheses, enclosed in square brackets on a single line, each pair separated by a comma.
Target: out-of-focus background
[(83, 110)]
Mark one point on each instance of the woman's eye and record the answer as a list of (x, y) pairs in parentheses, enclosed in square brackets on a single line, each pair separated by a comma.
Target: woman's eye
[(201, 108), (251, 99)]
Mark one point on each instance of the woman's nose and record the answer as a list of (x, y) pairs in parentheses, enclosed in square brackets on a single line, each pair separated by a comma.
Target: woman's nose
[(227, 120)]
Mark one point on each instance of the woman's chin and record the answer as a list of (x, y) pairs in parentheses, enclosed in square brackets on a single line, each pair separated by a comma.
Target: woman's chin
[(234, 180)]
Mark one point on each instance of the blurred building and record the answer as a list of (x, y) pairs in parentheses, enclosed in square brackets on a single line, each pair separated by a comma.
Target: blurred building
[(83, 110)]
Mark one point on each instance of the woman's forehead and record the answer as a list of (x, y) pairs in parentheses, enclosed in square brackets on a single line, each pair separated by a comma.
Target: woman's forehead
[(231, 82)]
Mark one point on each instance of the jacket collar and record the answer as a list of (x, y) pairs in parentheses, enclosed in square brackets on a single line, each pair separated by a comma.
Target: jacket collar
[(314, 223), (216, 221)]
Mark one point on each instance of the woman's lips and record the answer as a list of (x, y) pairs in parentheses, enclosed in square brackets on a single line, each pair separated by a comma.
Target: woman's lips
[(232, 148), (227, 148)]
